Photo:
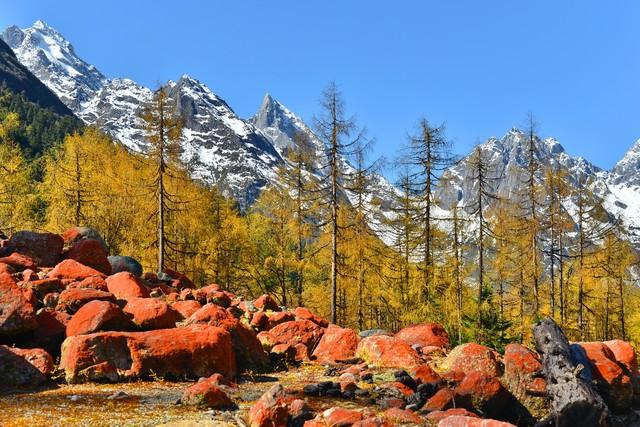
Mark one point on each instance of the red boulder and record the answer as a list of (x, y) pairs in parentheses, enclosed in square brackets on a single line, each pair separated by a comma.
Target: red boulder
[(125, 285), (385, 351), (522, 369), (72, 269), (486, 393), (266, 302), (190, 352), (336, 344), (473, 357), (150, 313), (90, 252), (44, 248), (185, 309), (97, 316), (38, 357), (271, 410), (424, 335), (614, 384), (19, 262), (17, 310), (207, 394), (293, 332), (71, 300)]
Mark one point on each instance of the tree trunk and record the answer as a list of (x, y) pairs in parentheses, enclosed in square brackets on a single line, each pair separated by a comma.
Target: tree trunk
[(572, 401)]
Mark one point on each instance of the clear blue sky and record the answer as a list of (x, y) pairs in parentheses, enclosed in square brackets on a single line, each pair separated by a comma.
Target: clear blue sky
[(479, 66)]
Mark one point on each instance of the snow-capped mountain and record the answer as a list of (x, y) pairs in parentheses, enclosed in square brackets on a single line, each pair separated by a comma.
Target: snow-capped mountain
[(242, 156), (48, 55), (506, 158), (220, 147)]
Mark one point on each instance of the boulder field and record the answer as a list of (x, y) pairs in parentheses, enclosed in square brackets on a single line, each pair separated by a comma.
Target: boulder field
[(70, 312)]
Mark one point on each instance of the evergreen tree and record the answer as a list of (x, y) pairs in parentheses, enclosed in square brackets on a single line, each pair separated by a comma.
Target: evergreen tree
[(163, 129)]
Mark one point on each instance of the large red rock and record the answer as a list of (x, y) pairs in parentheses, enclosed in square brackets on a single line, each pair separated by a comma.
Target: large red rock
[(424, 374), (615, 386), (180, 281), (125, 285), (385, 351), (624, 354), (336, 344), (274, 319), (209, 313), (435, 416), (522, 375), (51, 330), (466, 421), (93, 282), (293, 332), (248, 349), (185, 309), (91, 253), (424, 335), (445, 399), (341, 417), (150, 313), (97, 316), (41, 287), (271, 410), (15, 370), (38, 357), (303, 313), (72, 299), (402, 416), (266, 302), (72, 269), (44, 248), (75, 234), (19, 262), (190, 352), (487, 394), (207, 394), (17, 311), (473, 357)]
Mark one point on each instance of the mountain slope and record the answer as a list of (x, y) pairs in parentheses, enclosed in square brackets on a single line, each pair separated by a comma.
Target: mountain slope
[(52, 59), (19, 79), (220, 147)]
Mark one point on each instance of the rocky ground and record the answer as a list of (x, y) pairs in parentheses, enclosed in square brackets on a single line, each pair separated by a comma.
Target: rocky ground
[(90, 340)]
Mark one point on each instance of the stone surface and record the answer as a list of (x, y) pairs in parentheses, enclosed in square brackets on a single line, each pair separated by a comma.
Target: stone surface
[(294, 332), (522, 375), (150, 313), (207, 394), (72, 269), (17, 311), (72, 299), (38, 357), (487, 394), (424, 335), (97, 316), (184, 309), (271, 410), (19, 262), (466, 421), (44, 248), (386, 351), (614, 385), (125, 285), (473, 357), (190, 352), (120, 263), (336, 344), (90, 252), (15, 370)]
